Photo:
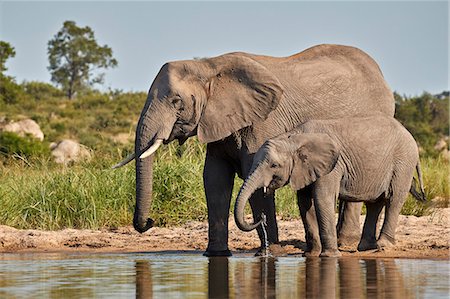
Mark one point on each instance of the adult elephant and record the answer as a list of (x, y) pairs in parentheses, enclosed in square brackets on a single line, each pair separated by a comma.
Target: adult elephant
[(234, 103)]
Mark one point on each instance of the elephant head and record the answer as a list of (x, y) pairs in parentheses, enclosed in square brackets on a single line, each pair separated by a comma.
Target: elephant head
[(298, 158), (211, 98)]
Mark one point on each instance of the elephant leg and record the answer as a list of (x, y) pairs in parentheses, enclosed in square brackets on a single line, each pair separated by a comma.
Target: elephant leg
[(368, 238), (266, 204), (218, 179), (348, 228), (325, 193), (392, 211), (309, 219)]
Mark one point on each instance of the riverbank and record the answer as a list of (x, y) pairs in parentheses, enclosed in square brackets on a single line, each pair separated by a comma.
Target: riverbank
[(417, 237)]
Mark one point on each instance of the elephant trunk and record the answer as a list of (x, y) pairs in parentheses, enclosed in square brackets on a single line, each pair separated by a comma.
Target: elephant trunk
[(151, 132), (144, 182), (254, 182)]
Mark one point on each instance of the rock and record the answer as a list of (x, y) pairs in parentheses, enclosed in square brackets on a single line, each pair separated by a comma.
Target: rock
[(123, 138), (441, 145), (68, 151), (445, 154), (23, 127)]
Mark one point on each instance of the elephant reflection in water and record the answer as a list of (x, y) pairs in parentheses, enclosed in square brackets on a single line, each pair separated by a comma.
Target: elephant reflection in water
[(144, 285), (260, 283), (319, 278), (382, 279), (218, 281), (247, 280)]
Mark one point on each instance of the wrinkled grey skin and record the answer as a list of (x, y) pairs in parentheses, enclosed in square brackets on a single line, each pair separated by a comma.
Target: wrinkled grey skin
[(370, 159), (234, 103)]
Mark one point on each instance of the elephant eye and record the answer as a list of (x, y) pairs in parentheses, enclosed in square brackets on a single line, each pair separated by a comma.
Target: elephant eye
[(176, 99), (177, 103), (274, 165)]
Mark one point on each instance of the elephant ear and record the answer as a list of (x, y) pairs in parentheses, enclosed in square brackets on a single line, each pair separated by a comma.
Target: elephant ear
[(315, 155), (241, 92)]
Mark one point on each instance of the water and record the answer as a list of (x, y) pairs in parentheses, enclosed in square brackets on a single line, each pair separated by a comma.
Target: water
[(182, 275)]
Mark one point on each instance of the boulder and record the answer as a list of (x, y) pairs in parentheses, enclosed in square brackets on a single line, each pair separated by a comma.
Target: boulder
[(69, 151), (445, 154), (442, 147), (123, 138), (24, 127), (441, 144)]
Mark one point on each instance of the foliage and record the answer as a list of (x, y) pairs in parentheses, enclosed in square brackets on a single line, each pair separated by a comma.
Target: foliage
[(41, 91), (10, 91), (437, 188), (75, 56), (426, 117), (12, 144), (51, 197), (6, 51)]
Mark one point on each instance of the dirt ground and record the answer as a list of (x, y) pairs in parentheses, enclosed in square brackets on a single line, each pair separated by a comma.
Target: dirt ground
[(417, 237)]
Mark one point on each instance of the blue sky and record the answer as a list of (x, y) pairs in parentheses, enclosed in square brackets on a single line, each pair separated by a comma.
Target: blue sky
[(408, 39)]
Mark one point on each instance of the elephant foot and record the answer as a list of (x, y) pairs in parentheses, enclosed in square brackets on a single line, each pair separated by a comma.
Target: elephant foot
[(385, 241), (272, 250), (210, 253), (348, 240), (313, 250), (367, 245), (313, 246), (331, 253), (313, 253)]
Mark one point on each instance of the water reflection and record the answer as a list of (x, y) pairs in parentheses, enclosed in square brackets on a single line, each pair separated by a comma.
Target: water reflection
[(218, 286), (193, 276), (144, 285), (295, 278)]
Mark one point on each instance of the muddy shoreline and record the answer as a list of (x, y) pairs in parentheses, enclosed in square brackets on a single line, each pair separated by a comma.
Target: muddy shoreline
[(417, 237)]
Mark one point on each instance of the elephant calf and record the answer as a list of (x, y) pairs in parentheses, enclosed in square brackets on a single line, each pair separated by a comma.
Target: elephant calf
[(370, 159)]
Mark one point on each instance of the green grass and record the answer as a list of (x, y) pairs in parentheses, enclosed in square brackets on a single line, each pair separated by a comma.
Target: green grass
[(37, 193), (40, 194), (436, 183), (52, 197)]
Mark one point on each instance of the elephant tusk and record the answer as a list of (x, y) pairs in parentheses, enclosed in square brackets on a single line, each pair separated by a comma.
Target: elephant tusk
[(265, 190), (151, 149), (125, 161)]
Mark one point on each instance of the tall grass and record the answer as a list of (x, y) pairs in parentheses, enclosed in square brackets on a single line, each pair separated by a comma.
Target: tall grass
[(52, 197), (41, 194), (437, 190)]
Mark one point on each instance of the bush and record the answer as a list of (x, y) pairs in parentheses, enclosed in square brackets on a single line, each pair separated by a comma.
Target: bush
[(10, 92), (12, 144), (426, 117), (41, 91)]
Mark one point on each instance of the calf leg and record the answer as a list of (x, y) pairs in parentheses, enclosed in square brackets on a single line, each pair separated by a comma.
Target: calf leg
[(393, 207), (309, 219), (325, 193)]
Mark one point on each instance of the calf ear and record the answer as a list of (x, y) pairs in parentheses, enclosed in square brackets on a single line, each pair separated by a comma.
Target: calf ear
[(241, 92), (315, 155)]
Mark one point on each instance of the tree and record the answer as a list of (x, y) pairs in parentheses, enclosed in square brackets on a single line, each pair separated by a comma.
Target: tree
[(6, 52), (75, 58), (425, 116), (10, 91)]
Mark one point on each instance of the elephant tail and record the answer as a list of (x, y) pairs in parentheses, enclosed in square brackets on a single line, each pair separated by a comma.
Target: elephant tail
[(419, 195)]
